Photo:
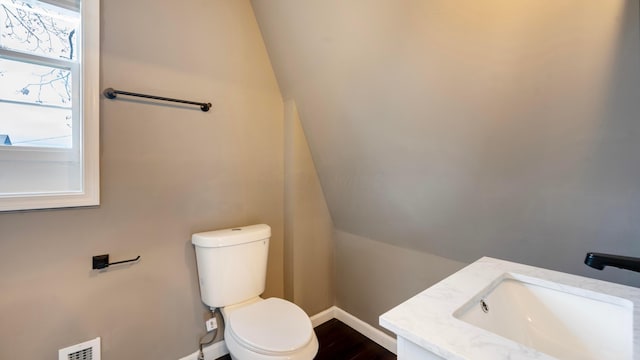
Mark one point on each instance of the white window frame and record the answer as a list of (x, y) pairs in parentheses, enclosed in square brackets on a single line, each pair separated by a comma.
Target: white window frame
[(85, 149)]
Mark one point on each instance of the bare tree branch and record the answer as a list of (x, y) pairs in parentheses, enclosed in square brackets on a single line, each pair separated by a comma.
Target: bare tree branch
[(39, 33)]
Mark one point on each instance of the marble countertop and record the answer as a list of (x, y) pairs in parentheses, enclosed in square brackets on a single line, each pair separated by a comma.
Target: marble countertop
[(427, 318)]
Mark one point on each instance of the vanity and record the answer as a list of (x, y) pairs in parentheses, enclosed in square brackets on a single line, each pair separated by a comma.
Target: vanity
[(495, 309)]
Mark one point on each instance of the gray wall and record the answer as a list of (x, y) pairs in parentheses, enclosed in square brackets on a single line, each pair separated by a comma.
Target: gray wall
[(309, 248), (459, 129), (442, 131), (166, 173), (374, 276)]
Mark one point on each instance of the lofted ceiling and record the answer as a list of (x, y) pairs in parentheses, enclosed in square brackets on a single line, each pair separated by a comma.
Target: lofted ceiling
[(469, 128)]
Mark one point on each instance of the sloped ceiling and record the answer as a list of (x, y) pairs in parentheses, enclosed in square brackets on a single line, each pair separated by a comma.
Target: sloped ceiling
[(468, 128)]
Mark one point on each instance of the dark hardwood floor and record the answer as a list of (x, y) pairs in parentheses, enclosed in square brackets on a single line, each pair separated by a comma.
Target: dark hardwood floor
[(340, 342)]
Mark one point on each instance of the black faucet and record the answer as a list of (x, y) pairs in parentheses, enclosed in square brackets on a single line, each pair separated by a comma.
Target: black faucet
[(599, 261)]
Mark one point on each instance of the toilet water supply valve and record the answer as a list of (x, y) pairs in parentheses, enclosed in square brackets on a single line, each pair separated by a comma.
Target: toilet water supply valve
[(211, 324)]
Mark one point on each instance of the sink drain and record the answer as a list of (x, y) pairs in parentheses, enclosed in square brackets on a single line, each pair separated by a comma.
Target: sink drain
[(484, 306)]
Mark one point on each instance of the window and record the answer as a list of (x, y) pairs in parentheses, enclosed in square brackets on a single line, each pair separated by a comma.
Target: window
[(49, 53)]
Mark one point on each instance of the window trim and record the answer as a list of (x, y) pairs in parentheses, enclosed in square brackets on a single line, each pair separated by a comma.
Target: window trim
[(89, 126)]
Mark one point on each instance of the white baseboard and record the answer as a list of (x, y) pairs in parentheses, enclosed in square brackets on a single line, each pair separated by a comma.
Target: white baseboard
[(358, 325), (367, 330), (219, 349), (323, 316), (211, 352)]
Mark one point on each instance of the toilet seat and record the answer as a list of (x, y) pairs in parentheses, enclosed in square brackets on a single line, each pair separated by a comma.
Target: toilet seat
[(272, 327)]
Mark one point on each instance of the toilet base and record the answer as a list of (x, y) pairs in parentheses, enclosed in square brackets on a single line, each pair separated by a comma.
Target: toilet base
[(238, 352)]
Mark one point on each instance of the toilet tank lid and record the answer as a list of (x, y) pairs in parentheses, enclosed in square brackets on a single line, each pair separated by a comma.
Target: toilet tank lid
[(231, 237)]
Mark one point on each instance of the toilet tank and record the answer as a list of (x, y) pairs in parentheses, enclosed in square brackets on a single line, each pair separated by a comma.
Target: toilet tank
[(232, 263)]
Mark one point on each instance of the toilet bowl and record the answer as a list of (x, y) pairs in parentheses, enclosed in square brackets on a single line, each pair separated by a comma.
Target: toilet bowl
[(232, 267), (270, 329)]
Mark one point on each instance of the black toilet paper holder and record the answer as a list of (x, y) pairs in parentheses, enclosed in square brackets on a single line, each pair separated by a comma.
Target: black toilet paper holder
[(102, 261)]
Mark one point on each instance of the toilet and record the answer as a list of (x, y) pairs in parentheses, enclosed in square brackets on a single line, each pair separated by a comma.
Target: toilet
[(232, 268)]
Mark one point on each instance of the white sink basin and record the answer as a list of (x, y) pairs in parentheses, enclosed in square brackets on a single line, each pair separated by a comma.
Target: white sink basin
[(560, 323), (533, 314)]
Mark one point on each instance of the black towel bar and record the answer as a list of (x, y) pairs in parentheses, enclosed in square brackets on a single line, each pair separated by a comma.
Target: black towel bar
[(112, 94)]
